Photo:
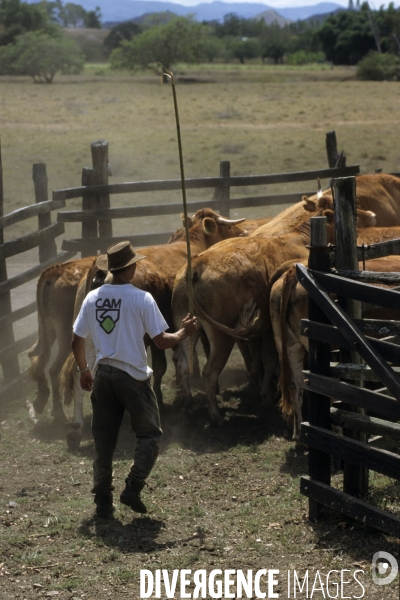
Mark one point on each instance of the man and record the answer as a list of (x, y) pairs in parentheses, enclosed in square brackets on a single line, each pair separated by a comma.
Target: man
[(117, 316)]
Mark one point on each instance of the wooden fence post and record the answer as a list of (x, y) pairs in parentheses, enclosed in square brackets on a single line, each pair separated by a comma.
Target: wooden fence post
[(331, 149), (10, 366), (355, 478), (222, 193), (89, 228), (47, 249), (100, 167), (318, 362)]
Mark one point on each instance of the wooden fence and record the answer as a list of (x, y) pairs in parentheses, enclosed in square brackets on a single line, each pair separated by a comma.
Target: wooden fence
[(96, 217), (361, 358)]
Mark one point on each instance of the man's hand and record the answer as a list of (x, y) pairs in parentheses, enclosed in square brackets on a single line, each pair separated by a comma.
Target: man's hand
[(87, 381), (189, 324)]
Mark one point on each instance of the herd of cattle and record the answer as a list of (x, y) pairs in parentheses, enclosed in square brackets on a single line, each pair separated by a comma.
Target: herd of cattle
[(245, 292)]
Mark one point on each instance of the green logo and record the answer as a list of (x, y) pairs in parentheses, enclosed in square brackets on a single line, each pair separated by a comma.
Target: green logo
[(107, 313)]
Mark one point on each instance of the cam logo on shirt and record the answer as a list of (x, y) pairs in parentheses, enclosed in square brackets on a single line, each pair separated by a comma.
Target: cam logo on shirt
[(107, 313)]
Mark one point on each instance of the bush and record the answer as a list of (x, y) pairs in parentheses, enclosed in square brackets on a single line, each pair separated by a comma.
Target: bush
[(378, 67), (41, 56), (303, 57)]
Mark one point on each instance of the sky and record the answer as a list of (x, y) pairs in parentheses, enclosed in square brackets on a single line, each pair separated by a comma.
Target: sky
[(282, 3)]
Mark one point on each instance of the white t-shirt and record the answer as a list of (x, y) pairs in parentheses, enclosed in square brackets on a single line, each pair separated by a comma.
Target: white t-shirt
[(117, 317)]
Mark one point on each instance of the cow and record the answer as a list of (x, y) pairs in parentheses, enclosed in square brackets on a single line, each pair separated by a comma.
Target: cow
[(156, 274), (55, 296), (289, 304), (230, 293), (379, 193), (231, 283)]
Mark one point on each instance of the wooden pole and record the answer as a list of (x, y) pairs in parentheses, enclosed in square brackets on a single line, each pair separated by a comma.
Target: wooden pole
[(222, 193), (331, 149), (89, 228), (189, 253), (100, 166), (10, 366), (48, 249), (355, 478), (318, 362)]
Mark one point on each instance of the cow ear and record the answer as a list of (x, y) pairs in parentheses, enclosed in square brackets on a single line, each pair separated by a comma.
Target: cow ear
[(209, 225), (189, 220), (309, 204), (330, 215)]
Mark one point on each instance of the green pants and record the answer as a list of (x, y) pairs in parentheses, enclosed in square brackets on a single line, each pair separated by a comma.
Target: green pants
[(115, 391)]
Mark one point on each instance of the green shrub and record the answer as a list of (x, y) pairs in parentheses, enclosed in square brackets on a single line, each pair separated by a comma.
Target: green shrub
[(41, 56), (303, 57), (378, 67)]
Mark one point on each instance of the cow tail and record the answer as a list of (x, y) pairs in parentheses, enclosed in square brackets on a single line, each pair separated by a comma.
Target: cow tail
[(286, 372), (39, 353), (66, 379)]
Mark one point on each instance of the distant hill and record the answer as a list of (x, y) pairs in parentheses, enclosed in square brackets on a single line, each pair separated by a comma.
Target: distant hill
[(117, 11), (319, 19), (299, 13), (271, 16)]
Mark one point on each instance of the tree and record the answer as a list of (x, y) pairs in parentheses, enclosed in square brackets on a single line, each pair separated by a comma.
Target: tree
[(275, 42), (388, 22), (41, 56), (123, 31), (93, 18), (18, 17), (72, 15), (181, 39), (346, 36), (244, 48)]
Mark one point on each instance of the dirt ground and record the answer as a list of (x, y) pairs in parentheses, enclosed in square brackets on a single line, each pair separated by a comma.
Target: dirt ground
[(218, 498)]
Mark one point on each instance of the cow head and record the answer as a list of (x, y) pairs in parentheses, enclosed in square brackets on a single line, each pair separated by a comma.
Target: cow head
[(206, 227), (323, 205)]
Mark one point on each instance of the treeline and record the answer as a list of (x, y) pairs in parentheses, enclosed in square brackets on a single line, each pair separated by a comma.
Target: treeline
[(343, 38), (169, 39), (32, 40)]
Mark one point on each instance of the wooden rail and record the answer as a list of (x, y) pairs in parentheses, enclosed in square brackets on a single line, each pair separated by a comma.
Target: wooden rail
[(97, 217), (337, 322)]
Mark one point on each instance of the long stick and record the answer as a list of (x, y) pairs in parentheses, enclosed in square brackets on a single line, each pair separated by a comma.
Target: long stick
[(189, 255)]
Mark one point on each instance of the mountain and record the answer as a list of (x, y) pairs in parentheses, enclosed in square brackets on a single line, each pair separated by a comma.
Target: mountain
[(124, 10), (271, 16), (320, 18), (299, 13)]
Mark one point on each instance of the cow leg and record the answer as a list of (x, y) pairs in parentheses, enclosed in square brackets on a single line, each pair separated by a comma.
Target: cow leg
[(64, 348), (75, 427), (270, 362), (159, 364), (251, 356), (220, 349), (296, 354), (181, 360), (36, 371)]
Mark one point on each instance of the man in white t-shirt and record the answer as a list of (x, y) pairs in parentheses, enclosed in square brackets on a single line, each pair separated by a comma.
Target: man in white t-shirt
[(117, 316)]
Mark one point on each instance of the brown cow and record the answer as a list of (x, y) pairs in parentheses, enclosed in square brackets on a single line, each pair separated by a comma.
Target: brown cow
[(231, 288), (379, 193), (231, 285), (156, 274), (289, 304), (55, 295)]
